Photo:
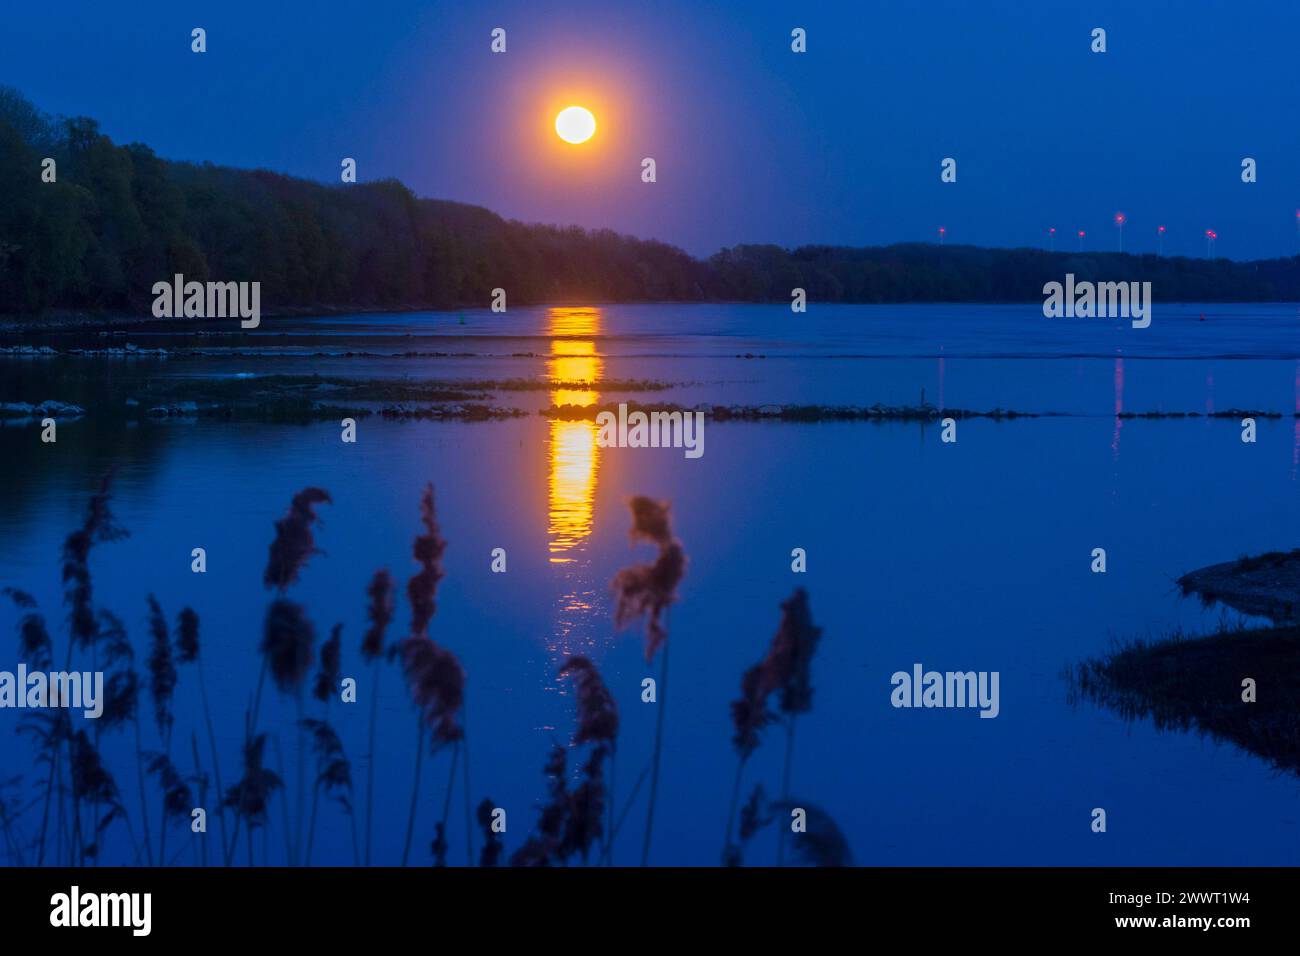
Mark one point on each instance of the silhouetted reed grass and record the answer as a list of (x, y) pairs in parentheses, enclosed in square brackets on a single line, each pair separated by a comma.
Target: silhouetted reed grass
[(647, 591), (91, 783), (294, 542), (822, 843), (81, 801), (250, 798), (433, 674), (597, 723), (177, 797), (334, 774), (34, 645), (188, 651), (786, 671), (493, 846), (379, 612), (99, 526), (572, 821)]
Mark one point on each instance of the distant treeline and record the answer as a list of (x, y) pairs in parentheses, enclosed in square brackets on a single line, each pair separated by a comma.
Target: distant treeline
[(117, 219)]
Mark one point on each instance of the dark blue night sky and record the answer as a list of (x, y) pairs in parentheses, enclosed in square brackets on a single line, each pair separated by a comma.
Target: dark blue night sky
[(753, 143)]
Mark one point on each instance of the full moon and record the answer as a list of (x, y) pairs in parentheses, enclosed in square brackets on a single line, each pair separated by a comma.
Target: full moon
[(575, 124)]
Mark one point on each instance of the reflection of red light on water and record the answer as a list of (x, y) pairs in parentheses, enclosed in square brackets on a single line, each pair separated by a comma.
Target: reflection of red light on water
[(941, 378), (1119, 406)]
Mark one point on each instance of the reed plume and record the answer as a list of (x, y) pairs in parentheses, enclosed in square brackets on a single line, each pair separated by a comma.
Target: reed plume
[(121, 700), (201, 779), (49, 730), (34, 644), (437, 684), (99, 526), (162, 672), (121, 691), (287, 643), (288, 634), (188, 652), (162, 687), (434, 675), (92, 783), (251, 796), (327, 678), (178, 798), (287, 639), (650, 520), (333, 774), (586, 808), (573, 820), (379, 612), (543, 845), (492, 843), (187, 636), (294, 543), (647, 590), (597, 712), (422, 588), (786, 669), (438, 846), (823, 843), (11, 807), (36, 648), (754, 816), (597, 722), (749, 713)]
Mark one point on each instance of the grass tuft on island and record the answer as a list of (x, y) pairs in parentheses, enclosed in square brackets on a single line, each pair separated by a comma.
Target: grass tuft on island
[(1235, 413), (1196, 684), (1267, 585)]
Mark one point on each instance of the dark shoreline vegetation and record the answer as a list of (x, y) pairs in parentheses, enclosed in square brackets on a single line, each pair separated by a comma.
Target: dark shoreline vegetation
[(1184, 683), (319, 398), (119, 218), (1265, 585), (63, 814)]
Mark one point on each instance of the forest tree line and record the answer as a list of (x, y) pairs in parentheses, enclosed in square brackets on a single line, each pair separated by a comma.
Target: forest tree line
[(116, 219)]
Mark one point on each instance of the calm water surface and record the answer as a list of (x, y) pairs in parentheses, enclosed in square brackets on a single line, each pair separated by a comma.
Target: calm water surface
[(973, 556)]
